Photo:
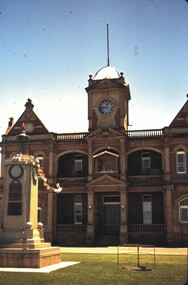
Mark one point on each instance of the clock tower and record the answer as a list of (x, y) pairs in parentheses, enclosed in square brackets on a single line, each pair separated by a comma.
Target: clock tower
[(108, 97)]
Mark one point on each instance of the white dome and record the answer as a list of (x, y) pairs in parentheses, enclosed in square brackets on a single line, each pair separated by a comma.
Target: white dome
[(108, 72)]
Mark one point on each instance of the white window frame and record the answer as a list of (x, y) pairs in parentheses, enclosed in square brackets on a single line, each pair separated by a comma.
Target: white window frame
[(181, 165), (77, 209), (183, 211)]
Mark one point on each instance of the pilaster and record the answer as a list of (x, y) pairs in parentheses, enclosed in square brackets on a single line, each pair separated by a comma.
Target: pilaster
[(123, 216), (90, 225), (169, 216), (90, 160), (122, 158)]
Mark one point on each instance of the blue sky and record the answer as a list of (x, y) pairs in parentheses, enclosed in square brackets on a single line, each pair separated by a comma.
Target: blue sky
[(48, 48)]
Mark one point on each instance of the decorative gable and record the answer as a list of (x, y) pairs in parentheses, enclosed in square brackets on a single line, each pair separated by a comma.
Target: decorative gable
[(32, 124), (104, 133), (181, 119)]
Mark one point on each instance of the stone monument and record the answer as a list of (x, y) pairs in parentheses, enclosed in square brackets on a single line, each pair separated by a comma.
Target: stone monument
[(21, 236)]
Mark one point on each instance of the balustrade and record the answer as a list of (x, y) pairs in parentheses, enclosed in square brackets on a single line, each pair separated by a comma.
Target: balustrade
[(153, 228), (144, 133), (147, 179), (70, 228), (71, 136)]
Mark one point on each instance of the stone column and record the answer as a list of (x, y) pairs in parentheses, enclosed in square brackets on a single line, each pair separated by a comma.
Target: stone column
[(123, 216), (50, 217), (51, 168), (166, 160), (122, 158), (91, 210)]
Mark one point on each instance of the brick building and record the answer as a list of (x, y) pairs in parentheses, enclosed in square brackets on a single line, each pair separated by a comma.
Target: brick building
[(119, 186)]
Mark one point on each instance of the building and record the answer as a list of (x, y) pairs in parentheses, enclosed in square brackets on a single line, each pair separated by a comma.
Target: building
[(119, 186)]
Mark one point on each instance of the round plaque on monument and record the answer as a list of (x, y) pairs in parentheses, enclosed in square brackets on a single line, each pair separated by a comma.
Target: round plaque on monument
[(16, 171)]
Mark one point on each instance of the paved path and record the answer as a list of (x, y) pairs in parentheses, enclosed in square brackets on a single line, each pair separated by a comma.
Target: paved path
[(128, 249)]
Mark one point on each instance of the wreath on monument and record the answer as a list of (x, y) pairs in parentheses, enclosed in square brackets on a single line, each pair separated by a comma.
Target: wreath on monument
[(48, 187)]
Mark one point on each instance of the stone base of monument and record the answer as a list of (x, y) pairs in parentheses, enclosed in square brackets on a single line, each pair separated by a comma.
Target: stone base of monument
[(29, 256)]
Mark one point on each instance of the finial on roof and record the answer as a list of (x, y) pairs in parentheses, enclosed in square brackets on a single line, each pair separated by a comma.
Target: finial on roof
[(29, 104)]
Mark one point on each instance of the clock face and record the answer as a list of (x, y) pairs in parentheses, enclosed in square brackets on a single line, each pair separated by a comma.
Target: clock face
[(106, 107)]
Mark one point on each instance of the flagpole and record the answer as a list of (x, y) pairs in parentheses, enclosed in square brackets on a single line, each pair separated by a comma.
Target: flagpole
[(108, 49)]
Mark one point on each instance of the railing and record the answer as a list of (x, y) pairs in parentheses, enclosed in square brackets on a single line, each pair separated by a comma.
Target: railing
[(141, 228), (70, 228), (70, 136), (72, 181), (146, 179), (144, 133), (130, 134)]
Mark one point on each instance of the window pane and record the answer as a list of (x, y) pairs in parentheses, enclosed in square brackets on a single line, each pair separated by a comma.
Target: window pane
[(181, 161), (184, 202)]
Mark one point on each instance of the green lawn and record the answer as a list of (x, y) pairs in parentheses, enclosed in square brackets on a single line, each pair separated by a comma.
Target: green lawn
[(102, 269)]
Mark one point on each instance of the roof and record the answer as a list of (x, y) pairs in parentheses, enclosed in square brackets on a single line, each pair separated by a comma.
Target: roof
[(108, 72)]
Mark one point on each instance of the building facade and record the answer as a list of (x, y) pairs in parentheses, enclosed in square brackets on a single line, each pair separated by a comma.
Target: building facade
[(119, 186)]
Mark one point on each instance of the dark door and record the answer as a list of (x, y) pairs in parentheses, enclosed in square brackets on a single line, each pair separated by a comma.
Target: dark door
[(111, 218)]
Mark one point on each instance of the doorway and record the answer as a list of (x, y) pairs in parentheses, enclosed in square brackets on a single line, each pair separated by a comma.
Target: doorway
[(111, 217)]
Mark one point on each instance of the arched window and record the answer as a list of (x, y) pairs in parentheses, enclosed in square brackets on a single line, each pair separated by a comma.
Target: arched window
[(183, 211), (181, 161), (40, 158)]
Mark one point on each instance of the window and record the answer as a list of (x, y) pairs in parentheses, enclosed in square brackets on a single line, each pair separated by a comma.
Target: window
[(40, 158), (78, 165), (146, 162), (77, 209), (183, 211), (147, 209), (181, 161)]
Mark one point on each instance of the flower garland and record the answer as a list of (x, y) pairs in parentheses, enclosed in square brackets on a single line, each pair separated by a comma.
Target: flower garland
[(47, 186)]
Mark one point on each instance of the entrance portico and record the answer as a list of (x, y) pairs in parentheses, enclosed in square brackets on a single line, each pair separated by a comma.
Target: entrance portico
[(107, 209)]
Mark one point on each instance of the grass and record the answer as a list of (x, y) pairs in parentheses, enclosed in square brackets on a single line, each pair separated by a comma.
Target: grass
[(102, 269)]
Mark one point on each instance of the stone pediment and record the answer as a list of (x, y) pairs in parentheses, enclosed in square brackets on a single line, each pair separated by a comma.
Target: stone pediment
[(104, 133), (28, 120), (181, 119), (106, 180), (107, 84)]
